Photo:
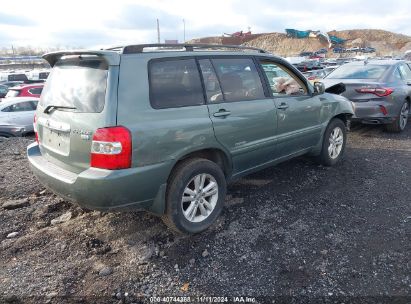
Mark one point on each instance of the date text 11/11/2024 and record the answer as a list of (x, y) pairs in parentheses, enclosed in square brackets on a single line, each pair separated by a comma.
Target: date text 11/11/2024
[(202, 299)]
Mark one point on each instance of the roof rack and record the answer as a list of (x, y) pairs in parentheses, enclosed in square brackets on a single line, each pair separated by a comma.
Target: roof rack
[(139, 48)]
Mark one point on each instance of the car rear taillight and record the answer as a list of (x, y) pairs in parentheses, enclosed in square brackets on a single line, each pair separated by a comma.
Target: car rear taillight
[(376, 91), (111, 148), (35, 128)]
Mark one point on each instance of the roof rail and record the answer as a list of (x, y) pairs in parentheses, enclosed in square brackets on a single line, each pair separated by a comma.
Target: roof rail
[(139, 48)]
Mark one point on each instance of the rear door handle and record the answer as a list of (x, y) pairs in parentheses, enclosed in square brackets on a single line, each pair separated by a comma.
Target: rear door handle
[(222, 113), (283, 106)]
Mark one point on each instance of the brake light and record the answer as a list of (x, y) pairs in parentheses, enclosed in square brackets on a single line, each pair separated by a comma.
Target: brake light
[(36, 134), (376, 91), (111, 148)]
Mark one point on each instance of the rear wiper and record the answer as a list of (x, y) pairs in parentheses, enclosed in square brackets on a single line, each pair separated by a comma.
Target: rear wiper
[(51, 107)]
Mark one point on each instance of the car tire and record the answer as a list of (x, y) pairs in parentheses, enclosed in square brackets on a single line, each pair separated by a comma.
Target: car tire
[(189, 209), (399, 124), (334, 142)]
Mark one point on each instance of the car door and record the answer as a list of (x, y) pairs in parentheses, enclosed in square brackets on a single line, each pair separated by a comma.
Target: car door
[(298, 110), (244, 119), (22, 114)]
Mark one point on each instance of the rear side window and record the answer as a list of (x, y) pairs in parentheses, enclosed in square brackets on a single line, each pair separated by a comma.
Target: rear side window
[(21, 107), (175, 83), (239, 79), (405, 71), (36, 91), (78, 82), (13, 93)]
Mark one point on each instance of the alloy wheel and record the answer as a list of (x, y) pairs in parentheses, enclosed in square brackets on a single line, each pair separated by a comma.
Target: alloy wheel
[(199, 198), (336, 141)]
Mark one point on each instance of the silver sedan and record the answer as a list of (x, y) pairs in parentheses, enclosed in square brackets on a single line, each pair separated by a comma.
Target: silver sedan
[(16, 116)]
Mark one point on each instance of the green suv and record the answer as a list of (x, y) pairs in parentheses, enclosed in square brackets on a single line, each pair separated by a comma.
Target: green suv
[(165, 127)]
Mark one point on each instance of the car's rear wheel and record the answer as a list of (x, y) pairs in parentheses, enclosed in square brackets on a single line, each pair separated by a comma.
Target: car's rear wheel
[(195, 196), (334, 141), (399, 124)]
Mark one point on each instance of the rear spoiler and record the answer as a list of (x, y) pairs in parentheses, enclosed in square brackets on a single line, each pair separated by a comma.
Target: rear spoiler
[(112, 58)]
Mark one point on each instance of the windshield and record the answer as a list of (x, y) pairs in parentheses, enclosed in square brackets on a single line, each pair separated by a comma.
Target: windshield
[(78, 83), (368, 71)]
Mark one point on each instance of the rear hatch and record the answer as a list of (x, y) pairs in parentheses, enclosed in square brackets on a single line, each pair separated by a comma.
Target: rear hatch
[(76, 100)]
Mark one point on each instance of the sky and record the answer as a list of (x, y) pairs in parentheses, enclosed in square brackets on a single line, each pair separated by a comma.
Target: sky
[(87, 23)]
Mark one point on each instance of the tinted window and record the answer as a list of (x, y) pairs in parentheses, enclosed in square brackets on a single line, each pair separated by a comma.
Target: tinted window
[(79, 83), (43, 75), (17, 77), (239, 79), (211, 84), (3, 89), (21, 107), (405, 71), (13, 93), (366, 71), (175, 83), (397, 74), (36, 91), (282, 81)]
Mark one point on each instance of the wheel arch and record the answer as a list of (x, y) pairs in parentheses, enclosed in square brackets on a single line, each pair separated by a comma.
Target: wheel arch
[(216, 155)]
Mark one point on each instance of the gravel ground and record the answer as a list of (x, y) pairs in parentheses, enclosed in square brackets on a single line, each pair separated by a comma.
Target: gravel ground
[(294, 231)]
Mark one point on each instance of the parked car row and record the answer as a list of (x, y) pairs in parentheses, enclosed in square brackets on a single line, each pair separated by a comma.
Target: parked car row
[(354, 49), (18, 101)]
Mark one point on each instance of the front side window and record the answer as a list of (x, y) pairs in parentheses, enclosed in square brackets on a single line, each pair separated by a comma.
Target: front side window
[(239, 79), (282, 81), (175, 83)]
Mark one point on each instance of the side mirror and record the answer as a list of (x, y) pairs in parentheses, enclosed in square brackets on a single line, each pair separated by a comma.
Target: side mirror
[(319, 88), (409, 83)]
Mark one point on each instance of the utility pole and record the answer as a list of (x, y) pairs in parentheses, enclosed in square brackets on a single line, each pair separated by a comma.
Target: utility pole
[(158, 31), (184, 31)]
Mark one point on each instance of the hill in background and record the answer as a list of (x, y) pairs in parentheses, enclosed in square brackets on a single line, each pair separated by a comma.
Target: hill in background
[(386, 43)]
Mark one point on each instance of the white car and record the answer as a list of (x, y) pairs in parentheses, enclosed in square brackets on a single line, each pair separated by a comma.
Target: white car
[(16, 115)]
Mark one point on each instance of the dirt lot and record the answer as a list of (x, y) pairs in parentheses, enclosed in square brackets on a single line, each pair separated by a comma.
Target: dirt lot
[(298, 229)]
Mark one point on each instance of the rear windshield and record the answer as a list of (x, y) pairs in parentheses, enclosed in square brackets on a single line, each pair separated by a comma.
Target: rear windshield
[(76, 82), (367, 71)]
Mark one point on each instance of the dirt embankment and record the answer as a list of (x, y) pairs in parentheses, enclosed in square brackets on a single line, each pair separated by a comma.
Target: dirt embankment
[(386, 43)]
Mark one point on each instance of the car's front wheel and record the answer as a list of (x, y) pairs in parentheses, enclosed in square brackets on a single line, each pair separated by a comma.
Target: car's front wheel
[(334, 141), (195, 195)]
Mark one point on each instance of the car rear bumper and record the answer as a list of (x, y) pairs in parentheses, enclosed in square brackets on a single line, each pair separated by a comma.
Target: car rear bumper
[(99, 189), (375, 112)]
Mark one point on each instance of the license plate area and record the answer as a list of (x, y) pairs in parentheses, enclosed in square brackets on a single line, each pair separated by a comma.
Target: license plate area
[(56, 141)]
